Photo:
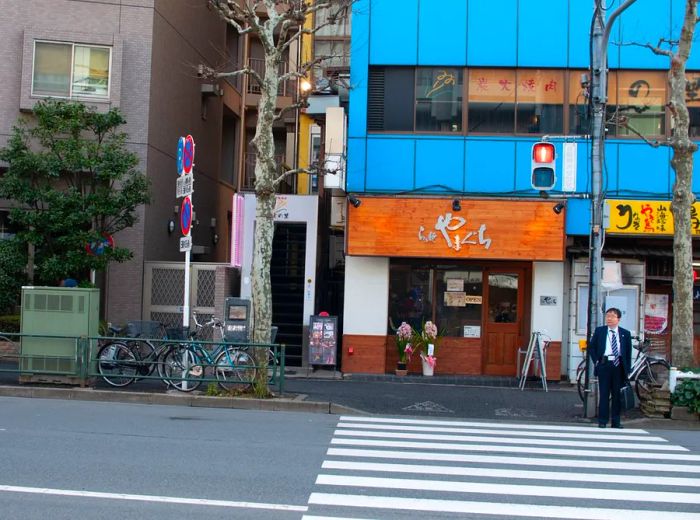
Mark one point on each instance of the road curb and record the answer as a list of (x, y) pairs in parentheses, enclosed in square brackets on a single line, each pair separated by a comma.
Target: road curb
[(279, 404)]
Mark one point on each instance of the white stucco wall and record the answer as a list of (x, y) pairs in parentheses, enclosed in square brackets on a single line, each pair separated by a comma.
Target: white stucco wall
[(366, 295), (548, 281)]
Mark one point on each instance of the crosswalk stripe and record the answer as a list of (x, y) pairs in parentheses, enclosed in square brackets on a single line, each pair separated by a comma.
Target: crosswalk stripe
[(447, 486), (647, 479), (485, 431), (519, 461), (509, 449), (492, 508), (510, 440), (504, 425)]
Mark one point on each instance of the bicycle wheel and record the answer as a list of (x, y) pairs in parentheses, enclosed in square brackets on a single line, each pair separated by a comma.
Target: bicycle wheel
[(273, 369), (116, 364), (581, 379), (235, 369), (145, 354), (182, 369), (654, 374)]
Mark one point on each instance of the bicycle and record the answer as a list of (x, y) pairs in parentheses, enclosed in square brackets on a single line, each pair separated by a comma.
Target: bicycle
[(647, 371), (121, 362), (184, 366)]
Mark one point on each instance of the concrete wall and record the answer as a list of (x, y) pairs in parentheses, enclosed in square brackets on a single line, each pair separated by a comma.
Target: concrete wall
[(366, 304)]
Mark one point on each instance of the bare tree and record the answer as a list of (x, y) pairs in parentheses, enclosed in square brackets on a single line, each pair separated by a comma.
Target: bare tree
[(683, 148), (278, 25)]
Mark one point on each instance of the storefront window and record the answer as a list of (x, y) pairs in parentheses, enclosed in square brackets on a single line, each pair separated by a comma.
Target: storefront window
[(641, 98), (692, 98), (410, 291), (579, 121), (458, 301), (449, 295)]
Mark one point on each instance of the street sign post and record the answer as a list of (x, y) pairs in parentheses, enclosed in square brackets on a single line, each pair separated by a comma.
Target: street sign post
[(186, 216), (185, 244)]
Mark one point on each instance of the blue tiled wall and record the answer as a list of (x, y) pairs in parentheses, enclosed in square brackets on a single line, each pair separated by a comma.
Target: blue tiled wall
[(507, 33)]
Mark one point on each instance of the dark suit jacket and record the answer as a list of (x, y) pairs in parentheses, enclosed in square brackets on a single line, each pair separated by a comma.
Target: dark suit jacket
[(597, 346)]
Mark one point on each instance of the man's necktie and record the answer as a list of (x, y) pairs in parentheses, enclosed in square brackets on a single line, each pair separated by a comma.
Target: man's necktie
[(613, 345)]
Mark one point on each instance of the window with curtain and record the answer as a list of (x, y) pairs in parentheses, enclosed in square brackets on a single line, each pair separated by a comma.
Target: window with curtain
[(439, 99), (539, 101), (491, 101), (70, 70), (641, 101)]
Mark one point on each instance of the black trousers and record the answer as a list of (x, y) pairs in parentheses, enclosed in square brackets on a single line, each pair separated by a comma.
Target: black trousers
[(610, 379)]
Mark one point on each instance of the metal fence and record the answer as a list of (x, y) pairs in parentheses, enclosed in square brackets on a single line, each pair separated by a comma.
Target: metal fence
[(120, 361)]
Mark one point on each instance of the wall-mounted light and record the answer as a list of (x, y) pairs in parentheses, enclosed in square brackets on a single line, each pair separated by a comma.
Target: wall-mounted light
[(559, 207), (171, 226), (456, 205), (215, 238), (354, 201)]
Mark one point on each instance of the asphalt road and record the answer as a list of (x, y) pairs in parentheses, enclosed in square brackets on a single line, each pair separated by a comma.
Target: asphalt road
[(159, 451), (75, 459)]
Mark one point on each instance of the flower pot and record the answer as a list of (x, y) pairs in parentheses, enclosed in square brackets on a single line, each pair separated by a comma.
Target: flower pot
[(428, 368), (401, 369)]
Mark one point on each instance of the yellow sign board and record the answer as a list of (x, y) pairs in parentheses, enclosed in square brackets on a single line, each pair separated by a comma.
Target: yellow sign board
[(646, 217)]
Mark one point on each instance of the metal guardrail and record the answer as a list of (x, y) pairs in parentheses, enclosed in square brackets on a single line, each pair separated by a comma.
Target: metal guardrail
[(81, 367)]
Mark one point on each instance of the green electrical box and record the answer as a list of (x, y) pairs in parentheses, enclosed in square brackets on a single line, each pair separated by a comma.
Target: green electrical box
[(56, 311)]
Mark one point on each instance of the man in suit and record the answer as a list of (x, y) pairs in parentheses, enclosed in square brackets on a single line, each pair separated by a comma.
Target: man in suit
[(611, 352)]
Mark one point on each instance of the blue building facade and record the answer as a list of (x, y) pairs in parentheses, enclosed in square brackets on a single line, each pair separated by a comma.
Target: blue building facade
[(447, 100)]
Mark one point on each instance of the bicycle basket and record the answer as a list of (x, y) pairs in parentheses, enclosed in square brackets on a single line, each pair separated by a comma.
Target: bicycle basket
[(175, 333), (144, 329)]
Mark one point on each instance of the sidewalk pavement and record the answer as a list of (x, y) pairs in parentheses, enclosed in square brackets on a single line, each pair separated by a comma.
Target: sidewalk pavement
[(327, 391)]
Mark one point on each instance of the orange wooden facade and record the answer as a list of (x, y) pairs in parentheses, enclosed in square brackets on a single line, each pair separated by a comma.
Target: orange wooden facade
[(430, 228)]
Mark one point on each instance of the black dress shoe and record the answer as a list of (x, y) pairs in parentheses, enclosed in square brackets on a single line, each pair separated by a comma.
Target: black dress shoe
[(601, 425)]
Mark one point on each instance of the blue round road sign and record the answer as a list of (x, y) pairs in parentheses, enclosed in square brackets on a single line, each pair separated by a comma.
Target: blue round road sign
[(180, 152), (186, 216)]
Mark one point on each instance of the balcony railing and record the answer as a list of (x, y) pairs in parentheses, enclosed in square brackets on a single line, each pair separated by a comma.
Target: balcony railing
[(287, 186), (286, 88)]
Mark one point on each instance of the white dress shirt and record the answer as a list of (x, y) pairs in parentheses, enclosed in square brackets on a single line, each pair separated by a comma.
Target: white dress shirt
[(608, 346)]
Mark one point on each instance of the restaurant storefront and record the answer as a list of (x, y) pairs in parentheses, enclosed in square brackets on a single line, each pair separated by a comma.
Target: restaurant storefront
[(486, 272)]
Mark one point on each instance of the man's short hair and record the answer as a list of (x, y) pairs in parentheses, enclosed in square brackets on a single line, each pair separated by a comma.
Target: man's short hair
[(615, 310)]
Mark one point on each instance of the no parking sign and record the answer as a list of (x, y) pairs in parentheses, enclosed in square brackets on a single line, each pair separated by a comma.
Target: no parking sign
[(186, 216)]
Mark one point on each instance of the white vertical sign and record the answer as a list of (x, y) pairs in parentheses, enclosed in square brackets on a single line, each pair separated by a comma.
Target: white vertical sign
[(569, 176)]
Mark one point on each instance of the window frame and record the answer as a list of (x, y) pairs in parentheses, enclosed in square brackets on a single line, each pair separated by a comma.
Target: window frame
[(71, 82), (567, 104)]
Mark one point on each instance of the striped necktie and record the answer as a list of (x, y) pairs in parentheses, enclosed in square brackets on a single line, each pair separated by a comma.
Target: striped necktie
[(613, 346)]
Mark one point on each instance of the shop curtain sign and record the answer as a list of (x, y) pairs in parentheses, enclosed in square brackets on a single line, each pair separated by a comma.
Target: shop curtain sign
[(455, 232), (655, 313)]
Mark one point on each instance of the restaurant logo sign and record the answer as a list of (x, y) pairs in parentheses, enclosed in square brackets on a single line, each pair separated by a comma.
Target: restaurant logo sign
[(456, 232)]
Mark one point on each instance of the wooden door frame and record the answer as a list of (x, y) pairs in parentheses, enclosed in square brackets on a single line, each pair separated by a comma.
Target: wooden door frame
[(524, 302)]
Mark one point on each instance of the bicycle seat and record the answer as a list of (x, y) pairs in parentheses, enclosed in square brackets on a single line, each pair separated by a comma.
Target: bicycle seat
[(115, 330)]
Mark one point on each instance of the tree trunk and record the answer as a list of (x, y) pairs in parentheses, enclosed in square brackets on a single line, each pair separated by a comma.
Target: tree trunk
[(683, 198), (265, 172)]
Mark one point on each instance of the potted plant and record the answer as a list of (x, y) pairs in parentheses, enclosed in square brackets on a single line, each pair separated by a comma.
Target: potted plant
[(686, 400), (426, 341), (404, 335)]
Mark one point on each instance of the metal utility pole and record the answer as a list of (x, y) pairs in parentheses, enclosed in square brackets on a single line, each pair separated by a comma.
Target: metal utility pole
[(600, 35)]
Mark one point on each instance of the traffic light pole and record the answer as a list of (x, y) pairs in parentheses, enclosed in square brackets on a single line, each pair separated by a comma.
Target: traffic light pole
[(599, 86)]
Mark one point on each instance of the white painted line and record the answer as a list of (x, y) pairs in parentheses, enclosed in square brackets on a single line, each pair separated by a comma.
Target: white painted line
[(152, 498), (493, 508), (484, 431), (599, 444), (647, 479), (310, 517), (513, 449), (505, 425), (449, 486), (519, 461)]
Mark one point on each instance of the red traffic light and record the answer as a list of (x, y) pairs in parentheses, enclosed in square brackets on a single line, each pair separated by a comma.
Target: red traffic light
[(543, 153)]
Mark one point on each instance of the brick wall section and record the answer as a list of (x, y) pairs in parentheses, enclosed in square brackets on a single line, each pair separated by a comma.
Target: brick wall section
[(368, 354), (455, 356), (8, 348)]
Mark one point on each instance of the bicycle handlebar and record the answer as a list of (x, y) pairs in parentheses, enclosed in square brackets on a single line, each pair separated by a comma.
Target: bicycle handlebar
[(213, 322)]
